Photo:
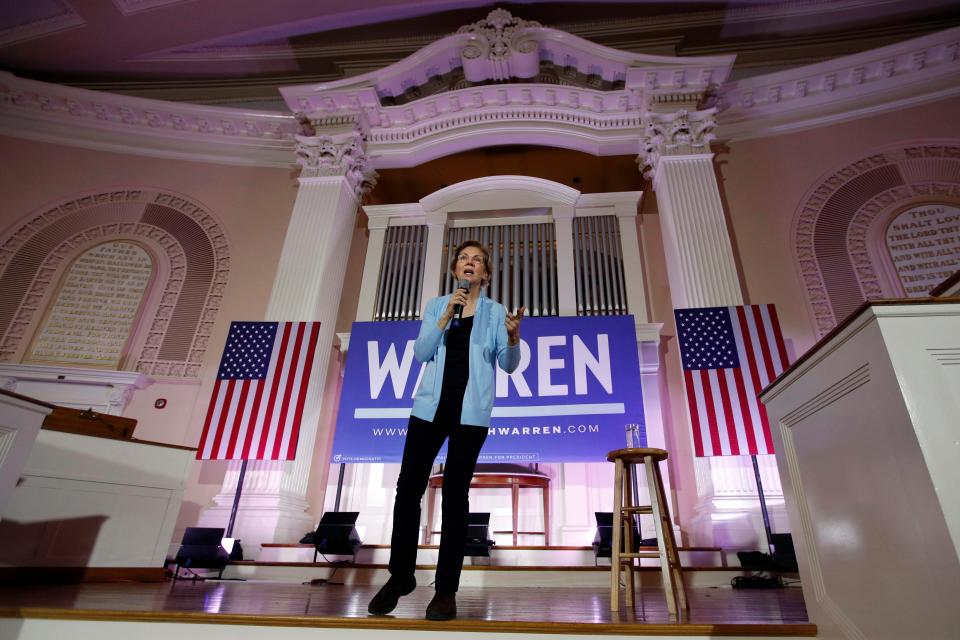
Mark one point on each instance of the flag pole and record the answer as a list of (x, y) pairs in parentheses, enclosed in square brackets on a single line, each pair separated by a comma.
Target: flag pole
[(236, 499), (763, 504), (336, 505)]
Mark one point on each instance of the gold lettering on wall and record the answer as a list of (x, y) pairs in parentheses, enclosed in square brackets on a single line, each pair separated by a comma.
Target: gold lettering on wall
[(924, 243), (90, 321)]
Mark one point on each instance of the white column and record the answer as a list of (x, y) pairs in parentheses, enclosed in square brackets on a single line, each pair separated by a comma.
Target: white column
[(566, 275), (702, 272), (633, 271), (308, 285), (371, 267), (432, 266), (700, 261)]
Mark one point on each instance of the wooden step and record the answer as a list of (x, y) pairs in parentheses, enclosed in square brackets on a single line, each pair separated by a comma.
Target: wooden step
[(478, 573)]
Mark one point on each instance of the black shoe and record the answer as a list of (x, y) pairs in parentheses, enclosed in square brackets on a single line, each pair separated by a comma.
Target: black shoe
[(442, 607), (386, 599)]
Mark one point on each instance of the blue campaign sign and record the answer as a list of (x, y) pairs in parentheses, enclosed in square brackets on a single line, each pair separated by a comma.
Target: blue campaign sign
[(571, 399)]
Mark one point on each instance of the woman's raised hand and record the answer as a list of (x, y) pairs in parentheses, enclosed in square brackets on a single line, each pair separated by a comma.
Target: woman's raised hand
[(513, 325)]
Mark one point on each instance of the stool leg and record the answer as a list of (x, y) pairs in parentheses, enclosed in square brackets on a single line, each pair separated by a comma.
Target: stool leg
[(672, 546), (626, 521), (615, 546), (546, 516), (661, 535), (515, 496)]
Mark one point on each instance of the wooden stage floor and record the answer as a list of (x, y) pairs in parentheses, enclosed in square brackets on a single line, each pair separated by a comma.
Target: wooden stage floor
[(713, 611)]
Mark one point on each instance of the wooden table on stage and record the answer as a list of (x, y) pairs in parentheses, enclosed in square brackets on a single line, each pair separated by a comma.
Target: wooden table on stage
[(499, 477)]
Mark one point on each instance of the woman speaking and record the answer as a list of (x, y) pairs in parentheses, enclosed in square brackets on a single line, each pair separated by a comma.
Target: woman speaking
[(462, 338)]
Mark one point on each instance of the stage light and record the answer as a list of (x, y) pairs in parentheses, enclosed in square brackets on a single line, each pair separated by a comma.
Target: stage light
[(202, 548), (603, 540), (478, 535), (337, 534)]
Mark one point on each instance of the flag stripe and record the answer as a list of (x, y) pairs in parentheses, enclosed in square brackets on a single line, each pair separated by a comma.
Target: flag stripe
[(289, 382), (767, 436), (266, 438), (716, 392), (694, 414), (263, 418), (211, 410), (221, 423), (747, 413), (236, 423), (749, 375), (302, 394), (711, 412), (781, 346), (253, 423), (764, 346), (738, 439)]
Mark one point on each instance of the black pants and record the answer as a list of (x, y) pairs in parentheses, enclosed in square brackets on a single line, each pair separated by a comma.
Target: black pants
[(424, 440)]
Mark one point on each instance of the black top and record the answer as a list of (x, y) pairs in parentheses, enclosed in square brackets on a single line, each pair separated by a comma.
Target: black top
[(456, 368)]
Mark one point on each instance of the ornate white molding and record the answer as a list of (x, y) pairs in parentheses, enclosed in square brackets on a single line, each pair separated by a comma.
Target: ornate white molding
[(105, 121), (130, 7), (337, 155), (45, 24), (670, 134), (489, 52), (908, 73)]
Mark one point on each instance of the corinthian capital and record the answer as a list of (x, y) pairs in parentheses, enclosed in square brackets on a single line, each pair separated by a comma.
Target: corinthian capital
[(672, 134), (342, 154)]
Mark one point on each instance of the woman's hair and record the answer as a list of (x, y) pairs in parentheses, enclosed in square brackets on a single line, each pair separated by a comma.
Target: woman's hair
[(486, 258)]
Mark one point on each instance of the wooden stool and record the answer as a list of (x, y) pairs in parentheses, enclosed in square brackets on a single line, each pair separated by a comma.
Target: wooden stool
[(624, 508)]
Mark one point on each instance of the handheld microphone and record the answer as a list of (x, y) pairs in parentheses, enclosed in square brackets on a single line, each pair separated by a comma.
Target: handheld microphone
[(458, 308)]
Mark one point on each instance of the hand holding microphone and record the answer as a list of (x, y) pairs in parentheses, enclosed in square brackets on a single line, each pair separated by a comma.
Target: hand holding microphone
[(459, 298)]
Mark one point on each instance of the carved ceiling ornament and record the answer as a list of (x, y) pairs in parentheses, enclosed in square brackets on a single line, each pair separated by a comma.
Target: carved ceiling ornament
[(337, 155), (682, 132), (506, 43), (900, 175)]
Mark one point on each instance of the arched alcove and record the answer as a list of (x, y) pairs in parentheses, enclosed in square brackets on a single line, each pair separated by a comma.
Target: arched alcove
[(195, 250), (839, 230)]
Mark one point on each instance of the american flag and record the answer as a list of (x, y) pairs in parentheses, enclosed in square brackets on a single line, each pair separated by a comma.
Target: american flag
[(729, 355), (257, 401)]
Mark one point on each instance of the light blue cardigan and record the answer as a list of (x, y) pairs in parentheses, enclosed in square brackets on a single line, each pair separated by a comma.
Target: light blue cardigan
[(488, 344)]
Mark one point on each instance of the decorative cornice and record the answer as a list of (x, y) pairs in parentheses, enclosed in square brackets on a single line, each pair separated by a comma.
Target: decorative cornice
[(130, 7), (65, 18), (517, 37), (92, 119), (490, 52), (337, 155), (679, 133), (638, 31), (908, 73)]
